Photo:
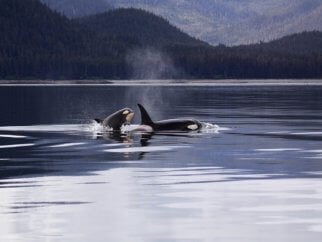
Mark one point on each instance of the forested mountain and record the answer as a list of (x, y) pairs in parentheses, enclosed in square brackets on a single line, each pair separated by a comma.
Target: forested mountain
[(146, 28), (234, 22), (304, 43), (37, 43), (78, 8), (33, 39), (294, 56)]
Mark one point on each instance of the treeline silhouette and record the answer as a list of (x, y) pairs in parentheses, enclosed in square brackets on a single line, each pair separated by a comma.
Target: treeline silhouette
[(38, 43)]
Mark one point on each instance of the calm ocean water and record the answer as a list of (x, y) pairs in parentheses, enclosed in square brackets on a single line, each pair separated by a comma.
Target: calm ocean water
[(255, 178)]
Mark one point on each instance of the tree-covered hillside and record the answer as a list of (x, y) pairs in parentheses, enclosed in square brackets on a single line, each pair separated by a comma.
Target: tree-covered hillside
[(148, 29), (300, 43), (37, 43), (294, 56)]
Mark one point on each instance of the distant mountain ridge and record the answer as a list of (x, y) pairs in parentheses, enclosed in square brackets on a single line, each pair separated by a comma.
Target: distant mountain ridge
[(230, 22), (235, 22), (38, 43)]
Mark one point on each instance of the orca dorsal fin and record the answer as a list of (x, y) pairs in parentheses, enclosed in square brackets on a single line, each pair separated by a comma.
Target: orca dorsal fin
[(145, 117)]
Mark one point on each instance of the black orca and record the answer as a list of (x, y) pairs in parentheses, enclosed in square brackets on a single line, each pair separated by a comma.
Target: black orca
[(117, 119), (167, 125)]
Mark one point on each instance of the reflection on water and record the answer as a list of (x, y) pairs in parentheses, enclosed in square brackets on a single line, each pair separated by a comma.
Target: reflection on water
[(254, 177)]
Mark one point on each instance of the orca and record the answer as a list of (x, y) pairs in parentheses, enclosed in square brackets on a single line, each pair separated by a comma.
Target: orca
[(167, 125), (117, 119)]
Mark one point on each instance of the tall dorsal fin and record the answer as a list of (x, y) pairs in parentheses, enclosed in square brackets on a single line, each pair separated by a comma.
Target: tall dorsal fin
[(145, 117)]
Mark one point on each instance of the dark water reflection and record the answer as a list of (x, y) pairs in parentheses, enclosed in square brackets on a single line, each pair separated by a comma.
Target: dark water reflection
[(259, 174)]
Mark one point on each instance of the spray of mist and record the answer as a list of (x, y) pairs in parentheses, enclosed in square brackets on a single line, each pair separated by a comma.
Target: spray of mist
[(151, 97), (151, 64)]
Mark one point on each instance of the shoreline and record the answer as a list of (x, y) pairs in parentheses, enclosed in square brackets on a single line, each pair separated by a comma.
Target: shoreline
[(196, 82)]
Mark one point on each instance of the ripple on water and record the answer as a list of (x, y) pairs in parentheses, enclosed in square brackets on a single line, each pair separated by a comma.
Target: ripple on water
[(278, 149), (88, 127), (16, 146), (13, 136), (145, 149), (67, 145), (48, 128)]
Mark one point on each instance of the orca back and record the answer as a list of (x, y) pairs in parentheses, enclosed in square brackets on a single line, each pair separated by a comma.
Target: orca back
[(178, 125), (170, 124)]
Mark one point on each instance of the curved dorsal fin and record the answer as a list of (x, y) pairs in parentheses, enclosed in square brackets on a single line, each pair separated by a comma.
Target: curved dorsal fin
[(145, 117)]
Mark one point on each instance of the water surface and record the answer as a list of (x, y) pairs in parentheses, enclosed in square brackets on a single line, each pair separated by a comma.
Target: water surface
[(255, 178)]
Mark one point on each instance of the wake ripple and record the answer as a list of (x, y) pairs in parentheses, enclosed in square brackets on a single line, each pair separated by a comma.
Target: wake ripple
[(89, 127)]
